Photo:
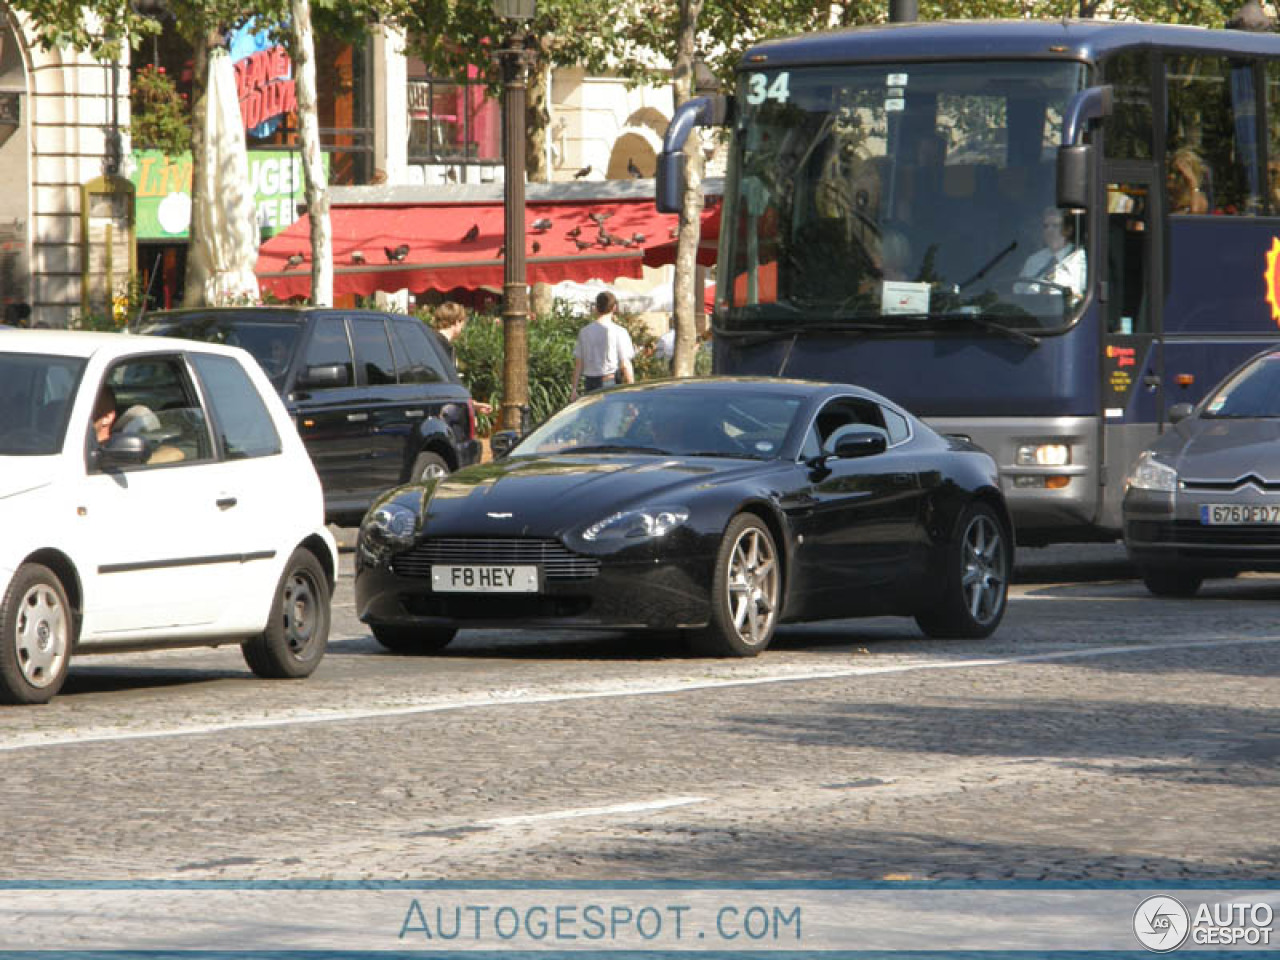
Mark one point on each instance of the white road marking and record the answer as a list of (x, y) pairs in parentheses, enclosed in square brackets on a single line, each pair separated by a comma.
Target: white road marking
[(643, 806), (521, 697)]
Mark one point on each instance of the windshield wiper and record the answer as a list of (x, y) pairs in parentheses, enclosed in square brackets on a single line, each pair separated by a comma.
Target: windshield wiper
[(981, 320)]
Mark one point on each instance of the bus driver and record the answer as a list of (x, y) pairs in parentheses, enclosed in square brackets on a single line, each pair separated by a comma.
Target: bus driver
[(1059, 265)]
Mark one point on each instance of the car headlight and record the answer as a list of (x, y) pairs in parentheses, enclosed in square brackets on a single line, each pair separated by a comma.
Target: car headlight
[(1150, 474), (393, 524), (637, 524)]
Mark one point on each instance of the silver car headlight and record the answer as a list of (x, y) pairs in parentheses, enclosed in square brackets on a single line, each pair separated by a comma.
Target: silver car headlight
[(393, 524), (637, 524), (1150, 474)]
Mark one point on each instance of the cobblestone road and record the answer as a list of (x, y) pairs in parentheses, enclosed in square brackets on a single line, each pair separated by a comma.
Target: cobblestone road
[(1100, 735)]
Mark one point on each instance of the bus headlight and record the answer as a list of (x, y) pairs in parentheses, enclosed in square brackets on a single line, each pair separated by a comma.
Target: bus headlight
[(1150, 474), (1043, 455)]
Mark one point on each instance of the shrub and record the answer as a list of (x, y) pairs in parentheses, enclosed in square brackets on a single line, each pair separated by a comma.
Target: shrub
[(478, 351)]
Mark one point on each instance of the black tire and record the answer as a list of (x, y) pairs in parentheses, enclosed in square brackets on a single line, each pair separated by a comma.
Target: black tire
[(428, 466), (1169, 582), (413, 641), (975, 590), (38, 633), (297, 634), (746, 592)]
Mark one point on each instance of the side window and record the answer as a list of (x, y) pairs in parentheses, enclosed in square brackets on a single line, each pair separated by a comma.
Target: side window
[(896, 424), (154, 399), (839, 413), (1212, 161), (416, 362), (329, 346), (373, 350), (241, 417), (1128, 131), (1273, 133)]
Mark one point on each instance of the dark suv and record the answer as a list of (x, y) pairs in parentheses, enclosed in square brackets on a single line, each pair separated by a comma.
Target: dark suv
[(375, 396)]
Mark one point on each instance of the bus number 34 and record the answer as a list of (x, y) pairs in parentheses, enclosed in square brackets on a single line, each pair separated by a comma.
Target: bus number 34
[(759, 89)]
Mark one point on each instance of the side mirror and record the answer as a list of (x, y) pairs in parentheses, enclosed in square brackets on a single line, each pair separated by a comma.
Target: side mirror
[(1180, 411), (1073, 176), (503, 442), (324, 377), (855, 445), (122, 450), (698, 112)]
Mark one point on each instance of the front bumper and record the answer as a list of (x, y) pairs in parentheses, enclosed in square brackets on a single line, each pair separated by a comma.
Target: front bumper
[(1165, 529), (664, 592)]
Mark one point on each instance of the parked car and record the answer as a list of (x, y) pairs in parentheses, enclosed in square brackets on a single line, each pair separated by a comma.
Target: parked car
[(722, 507), (375, 396), (183, 511), (1204, 500)]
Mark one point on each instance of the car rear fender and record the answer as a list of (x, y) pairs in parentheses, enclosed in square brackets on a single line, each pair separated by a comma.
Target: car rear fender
[(433, 435)]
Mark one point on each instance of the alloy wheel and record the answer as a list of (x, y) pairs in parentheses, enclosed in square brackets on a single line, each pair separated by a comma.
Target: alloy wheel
[(985, 569), (753, 586)]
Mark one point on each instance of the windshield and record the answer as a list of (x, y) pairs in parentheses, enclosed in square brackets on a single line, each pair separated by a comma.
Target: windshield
[(908, 197), (270, 341), (37, 395), (666, 421), (1253, 392)]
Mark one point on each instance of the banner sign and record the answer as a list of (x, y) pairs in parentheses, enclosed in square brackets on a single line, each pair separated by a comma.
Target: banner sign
[(164, 191), (264, 80), (407, 919)]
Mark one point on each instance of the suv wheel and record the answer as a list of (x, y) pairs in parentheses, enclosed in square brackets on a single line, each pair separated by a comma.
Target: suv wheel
[(428, 466)]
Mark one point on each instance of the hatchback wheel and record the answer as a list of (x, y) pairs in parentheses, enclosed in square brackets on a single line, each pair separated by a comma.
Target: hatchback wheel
[(746, 592), (1170, 582), (35, 646), (297, 634), (976, 579)]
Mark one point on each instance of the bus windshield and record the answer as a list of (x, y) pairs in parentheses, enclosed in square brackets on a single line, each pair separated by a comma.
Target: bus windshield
[(905, 197)]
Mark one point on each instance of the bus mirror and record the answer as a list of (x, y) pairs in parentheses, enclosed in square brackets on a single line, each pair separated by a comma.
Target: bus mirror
[(1088, 105), (697, 112), (1073, 176)]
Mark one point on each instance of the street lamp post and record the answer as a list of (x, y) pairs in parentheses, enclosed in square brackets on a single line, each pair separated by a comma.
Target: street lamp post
[(515, 59)]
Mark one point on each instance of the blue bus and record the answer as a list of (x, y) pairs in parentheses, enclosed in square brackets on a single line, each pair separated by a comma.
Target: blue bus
[(1041, 235)]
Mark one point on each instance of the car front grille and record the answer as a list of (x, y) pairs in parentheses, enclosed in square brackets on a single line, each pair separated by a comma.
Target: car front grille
[(1194, 534), (558, 562)]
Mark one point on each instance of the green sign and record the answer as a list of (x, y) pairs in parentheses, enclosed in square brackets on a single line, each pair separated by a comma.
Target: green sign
[(163, 185)]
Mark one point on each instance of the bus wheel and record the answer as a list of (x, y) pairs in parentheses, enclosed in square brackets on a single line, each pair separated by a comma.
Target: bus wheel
[(1168, 582), (976, 583)]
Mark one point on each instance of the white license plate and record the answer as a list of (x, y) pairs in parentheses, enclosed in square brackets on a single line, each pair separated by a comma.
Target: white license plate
[(1227, 514), (483, 578)]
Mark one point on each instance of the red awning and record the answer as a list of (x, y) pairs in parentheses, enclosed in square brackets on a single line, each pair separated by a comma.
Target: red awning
[(460, 245), (661, 254)]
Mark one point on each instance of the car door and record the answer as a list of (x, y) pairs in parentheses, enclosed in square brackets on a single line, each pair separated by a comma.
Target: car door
[(428, 388), (386, 417), (326, 404), (254, 498), (157, 535), (859, 517)]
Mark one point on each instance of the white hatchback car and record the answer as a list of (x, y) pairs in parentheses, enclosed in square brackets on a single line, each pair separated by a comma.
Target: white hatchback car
[(153, 493)]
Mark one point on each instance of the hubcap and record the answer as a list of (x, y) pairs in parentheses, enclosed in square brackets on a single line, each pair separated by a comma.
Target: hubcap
[(301, 613), (985, 569), (42, 639), (434, 471), (753, 587)]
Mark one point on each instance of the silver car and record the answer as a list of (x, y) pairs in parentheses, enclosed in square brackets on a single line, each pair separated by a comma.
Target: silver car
[(1204, 500)]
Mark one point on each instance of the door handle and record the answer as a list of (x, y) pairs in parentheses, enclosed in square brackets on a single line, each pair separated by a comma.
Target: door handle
[(357, 417), (226, 503)]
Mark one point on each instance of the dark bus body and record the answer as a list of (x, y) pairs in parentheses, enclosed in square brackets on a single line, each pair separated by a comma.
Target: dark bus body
[(888, 207)]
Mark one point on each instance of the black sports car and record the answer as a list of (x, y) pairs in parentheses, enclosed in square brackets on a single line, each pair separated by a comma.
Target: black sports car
[(1204, 499), (720, 507)]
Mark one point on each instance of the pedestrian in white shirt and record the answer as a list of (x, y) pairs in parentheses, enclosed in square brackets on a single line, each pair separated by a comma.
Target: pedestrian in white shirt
[(602, 355)]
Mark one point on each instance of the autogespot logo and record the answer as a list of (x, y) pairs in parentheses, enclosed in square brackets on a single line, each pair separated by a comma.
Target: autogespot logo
[(1161, 924)]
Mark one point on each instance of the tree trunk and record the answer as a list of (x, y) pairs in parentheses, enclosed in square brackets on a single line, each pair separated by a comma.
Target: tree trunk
[(197, 270), (687, 300), (304, 61), (537, 118)]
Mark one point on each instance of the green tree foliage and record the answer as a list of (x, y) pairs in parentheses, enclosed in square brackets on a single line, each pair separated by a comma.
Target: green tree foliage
[(160, 118)]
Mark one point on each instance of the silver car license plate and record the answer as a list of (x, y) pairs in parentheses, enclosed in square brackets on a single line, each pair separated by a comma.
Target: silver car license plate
[(1228, 514), (483, 578)]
